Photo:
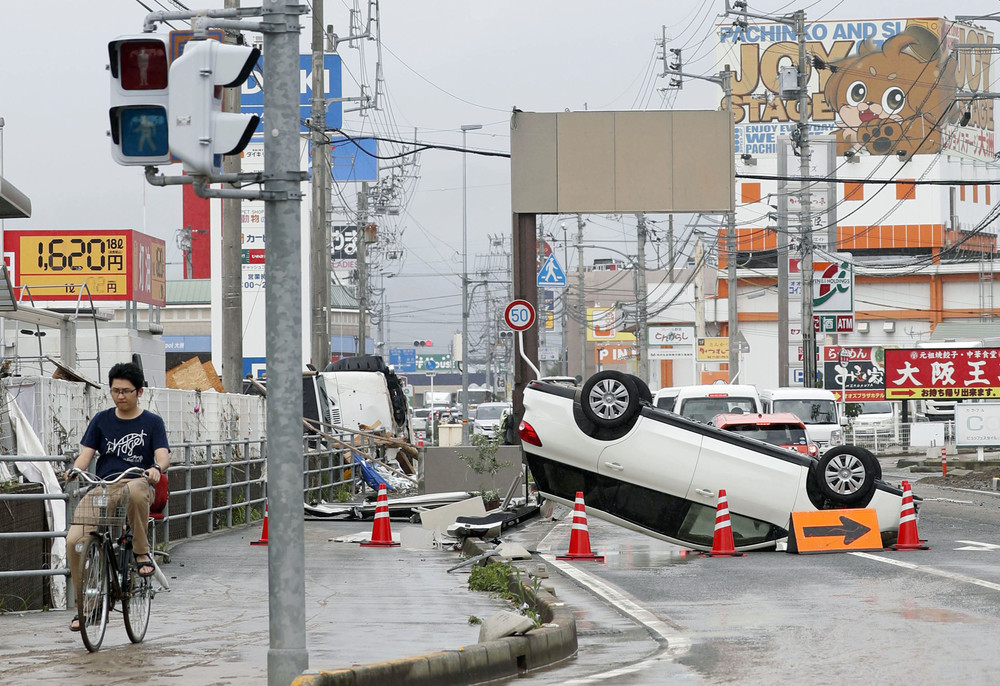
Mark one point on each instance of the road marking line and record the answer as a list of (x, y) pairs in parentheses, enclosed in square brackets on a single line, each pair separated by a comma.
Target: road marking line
[(931, 570), (978, 546), (677, 645)]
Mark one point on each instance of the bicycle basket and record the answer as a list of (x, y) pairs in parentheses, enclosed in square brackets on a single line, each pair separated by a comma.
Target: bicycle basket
[(101, 506)]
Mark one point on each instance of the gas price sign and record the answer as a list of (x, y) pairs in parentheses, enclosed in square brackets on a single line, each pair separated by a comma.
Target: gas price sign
[(113, 264)]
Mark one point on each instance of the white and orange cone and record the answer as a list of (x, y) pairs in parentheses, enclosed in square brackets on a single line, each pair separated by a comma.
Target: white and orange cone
[(381, 531), (263, 534), (722, 540), (908, 538), (579, 538)]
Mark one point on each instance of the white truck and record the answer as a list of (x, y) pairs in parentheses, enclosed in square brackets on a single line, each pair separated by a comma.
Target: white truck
[(816, 407)]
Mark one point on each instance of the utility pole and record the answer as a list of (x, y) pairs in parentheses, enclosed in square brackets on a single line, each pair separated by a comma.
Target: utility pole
[(642, 344), (232, 260), (805, 214), (362, 267), (465, 283), (670, 246), (581, 298), (725, 80), (319, 254), (565, 304), (783, 292), (734, 347)]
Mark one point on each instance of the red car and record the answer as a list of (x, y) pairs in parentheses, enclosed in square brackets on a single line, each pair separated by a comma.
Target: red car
[(780, 428)]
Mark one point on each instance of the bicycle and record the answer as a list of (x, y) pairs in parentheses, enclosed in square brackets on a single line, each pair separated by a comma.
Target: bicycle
[(109, 572)]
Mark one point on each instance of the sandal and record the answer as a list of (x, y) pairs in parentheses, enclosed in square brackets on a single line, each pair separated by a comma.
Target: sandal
[(74, 624), (145, 567)]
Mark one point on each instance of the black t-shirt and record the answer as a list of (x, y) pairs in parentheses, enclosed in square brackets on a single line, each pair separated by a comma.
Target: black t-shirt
[(124, 443)]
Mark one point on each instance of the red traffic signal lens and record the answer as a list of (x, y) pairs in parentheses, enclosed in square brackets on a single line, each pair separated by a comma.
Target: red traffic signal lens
[(428, 343), (143, 65)]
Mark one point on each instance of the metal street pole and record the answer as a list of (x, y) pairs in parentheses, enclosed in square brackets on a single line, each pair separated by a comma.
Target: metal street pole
[(319, 253), (287, 655), (581, 298), (465, 287)]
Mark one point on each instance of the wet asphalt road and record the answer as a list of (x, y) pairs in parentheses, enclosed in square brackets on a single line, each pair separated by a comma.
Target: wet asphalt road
[(652, 613)]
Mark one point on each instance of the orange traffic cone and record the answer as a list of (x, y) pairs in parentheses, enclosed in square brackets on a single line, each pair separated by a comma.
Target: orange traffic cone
[(908, 538), (381, 533), (722, 541), (579, 538), (263, 535)]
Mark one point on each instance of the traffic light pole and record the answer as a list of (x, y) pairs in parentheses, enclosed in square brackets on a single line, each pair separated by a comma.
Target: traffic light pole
[(287, 656)]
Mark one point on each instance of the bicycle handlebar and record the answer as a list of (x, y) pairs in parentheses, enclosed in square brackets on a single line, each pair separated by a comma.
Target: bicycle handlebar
[(91, 479)]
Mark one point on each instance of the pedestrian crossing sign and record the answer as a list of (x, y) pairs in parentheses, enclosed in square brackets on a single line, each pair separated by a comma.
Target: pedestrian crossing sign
[(551, 273)]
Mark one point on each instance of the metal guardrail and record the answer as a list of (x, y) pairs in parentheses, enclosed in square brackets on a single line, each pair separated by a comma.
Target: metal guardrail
[(216, 485)]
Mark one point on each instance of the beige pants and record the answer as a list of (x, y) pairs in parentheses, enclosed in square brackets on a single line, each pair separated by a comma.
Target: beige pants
[(140, 495)]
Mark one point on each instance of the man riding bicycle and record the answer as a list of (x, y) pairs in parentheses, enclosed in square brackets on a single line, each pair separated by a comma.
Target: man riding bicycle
[(123, 436)]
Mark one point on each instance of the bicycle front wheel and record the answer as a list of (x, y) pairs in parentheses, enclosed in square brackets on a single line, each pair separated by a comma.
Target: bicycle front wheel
[(92, 603), (137, 596)]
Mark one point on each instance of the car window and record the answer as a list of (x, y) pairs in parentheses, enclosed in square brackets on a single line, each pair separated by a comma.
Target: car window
[(704, 409), (809, 411), (698, 527), (876, 408), (490, 411), (776, 434), (666, 403)]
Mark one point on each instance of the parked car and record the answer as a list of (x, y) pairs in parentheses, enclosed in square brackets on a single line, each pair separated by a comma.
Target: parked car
[(779, 428), (487, 420), (816, 407), (702, 403), (420, 418), (666, 398), (659, 473)]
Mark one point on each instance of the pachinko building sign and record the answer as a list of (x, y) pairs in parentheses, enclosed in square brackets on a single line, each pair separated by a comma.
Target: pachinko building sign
[(881, 86)]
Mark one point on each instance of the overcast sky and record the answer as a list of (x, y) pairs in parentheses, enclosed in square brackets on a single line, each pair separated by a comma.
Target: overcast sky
[(445, 64)]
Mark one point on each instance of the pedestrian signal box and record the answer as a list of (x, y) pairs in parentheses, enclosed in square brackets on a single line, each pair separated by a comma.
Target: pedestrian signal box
[(139, 68)]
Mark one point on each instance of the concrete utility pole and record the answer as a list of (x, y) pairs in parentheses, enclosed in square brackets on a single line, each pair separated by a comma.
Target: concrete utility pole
[(232, 259), (783, 293), (642, 345), (725, 80), (319, 252), (581, 297), (465, 285), (734, 322), (565, 305), (362, 266), (287, 656), (805, 213)]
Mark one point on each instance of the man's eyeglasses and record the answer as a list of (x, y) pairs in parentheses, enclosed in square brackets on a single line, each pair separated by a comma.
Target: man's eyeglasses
[(122, 391)]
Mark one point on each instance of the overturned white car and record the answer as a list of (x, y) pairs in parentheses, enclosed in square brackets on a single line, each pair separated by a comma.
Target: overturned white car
[(657, 472)]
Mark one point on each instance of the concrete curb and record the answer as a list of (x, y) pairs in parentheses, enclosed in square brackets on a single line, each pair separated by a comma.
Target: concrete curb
[(555, 640)]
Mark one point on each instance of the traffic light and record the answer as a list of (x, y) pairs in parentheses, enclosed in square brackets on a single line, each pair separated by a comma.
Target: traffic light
[(200, 132), (422, 344), (138, 113), (506, 335)]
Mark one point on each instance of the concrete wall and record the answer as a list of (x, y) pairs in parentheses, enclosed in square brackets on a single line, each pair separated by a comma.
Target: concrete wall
[(445, 471)]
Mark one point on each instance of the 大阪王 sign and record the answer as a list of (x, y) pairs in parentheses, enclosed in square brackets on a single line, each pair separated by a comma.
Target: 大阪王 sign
[(942, 373)]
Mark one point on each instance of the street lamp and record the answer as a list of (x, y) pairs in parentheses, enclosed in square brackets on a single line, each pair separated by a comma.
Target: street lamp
[(465, 287)]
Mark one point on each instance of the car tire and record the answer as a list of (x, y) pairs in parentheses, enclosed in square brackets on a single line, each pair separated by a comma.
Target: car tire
[(846, 475), (645, 395), (610, 399)]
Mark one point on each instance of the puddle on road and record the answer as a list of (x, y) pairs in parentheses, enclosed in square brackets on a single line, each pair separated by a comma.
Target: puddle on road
[(938, 615), (642, 557)]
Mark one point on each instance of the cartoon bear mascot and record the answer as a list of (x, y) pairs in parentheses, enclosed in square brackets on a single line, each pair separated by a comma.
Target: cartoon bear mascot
[(894, 99)]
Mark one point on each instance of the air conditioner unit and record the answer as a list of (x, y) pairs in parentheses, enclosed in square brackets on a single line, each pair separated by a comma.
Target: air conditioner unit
[(889, 327), (862, 327)]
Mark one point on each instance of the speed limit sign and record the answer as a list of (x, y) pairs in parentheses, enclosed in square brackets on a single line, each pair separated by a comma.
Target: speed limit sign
[(519, 315)]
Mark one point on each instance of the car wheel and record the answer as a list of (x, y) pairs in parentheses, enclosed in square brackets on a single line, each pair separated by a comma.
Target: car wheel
[(846, 475), (610, 399), (645, 396)]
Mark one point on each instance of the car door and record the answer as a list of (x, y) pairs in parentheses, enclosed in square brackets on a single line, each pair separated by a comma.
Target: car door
[(646, 475), (761, 481)]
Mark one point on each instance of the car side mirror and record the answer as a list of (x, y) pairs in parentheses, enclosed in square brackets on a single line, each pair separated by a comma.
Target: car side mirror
[(844, 421)]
